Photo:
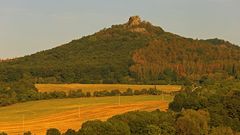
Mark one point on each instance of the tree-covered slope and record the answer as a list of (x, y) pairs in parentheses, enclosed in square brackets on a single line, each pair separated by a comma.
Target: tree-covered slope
[(134, 52), (186, 58)]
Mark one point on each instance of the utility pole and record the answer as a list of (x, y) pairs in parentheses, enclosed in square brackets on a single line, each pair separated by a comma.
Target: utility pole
[(79, 112), (23, 123), (119, 99)]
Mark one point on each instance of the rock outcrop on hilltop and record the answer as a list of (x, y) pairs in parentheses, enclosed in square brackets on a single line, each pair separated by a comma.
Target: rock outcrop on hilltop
[(134, 21), (134, 25)]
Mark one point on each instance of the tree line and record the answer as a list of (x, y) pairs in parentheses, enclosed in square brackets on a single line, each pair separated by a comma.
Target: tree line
[(9, 97)]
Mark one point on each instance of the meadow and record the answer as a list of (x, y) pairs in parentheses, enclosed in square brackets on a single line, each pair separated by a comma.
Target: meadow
[(100, 87), (38, 116)]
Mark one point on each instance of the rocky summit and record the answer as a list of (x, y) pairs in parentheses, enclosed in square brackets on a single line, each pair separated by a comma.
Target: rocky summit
[(134, 21)]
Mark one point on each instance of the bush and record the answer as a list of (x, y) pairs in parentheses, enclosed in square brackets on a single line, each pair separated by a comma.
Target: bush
[(76, 94), (27, 133), (152, 130), (192, 122), (115, 92), (104, 128), (3, 133), (222, 131), (70, 132), (53, 131), (88, 94), (129, 92)]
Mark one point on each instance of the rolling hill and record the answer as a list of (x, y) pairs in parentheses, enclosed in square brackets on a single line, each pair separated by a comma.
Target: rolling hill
[(134, 52), (115, 58)]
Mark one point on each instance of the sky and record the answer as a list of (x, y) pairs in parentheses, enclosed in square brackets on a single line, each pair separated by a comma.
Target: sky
[(29, 26)]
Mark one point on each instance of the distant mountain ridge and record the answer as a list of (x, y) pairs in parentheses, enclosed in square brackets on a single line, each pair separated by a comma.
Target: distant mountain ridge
[(134, 52)]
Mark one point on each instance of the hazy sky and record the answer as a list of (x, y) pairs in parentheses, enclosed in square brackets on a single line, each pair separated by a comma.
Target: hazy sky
[(28, 26)]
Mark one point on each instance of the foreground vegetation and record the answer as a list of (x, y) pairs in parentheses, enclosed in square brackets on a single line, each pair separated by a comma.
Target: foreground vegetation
[(212, 108), (187, 122), (221, 100)]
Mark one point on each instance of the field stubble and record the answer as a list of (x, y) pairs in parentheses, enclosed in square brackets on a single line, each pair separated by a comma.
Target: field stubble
[(38, 116)]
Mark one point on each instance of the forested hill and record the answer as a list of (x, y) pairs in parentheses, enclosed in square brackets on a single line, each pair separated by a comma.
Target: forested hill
[(134, 52)]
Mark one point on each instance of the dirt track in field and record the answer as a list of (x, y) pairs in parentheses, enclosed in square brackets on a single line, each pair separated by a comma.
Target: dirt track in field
[(74, 118)]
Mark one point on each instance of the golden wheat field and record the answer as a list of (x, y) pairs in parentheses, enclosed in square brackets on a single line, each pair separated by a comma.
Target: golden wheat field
[(101, 87), (38, 116)]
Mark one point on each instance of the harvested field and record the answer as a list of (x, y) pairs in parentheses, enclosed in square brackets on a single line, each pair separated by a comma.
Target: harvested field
[(100, 87), (38, 116)]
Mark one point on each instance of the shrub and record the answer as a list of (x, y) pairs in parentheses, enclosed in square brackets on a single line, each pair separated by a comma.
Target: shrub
[(53, 131)]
